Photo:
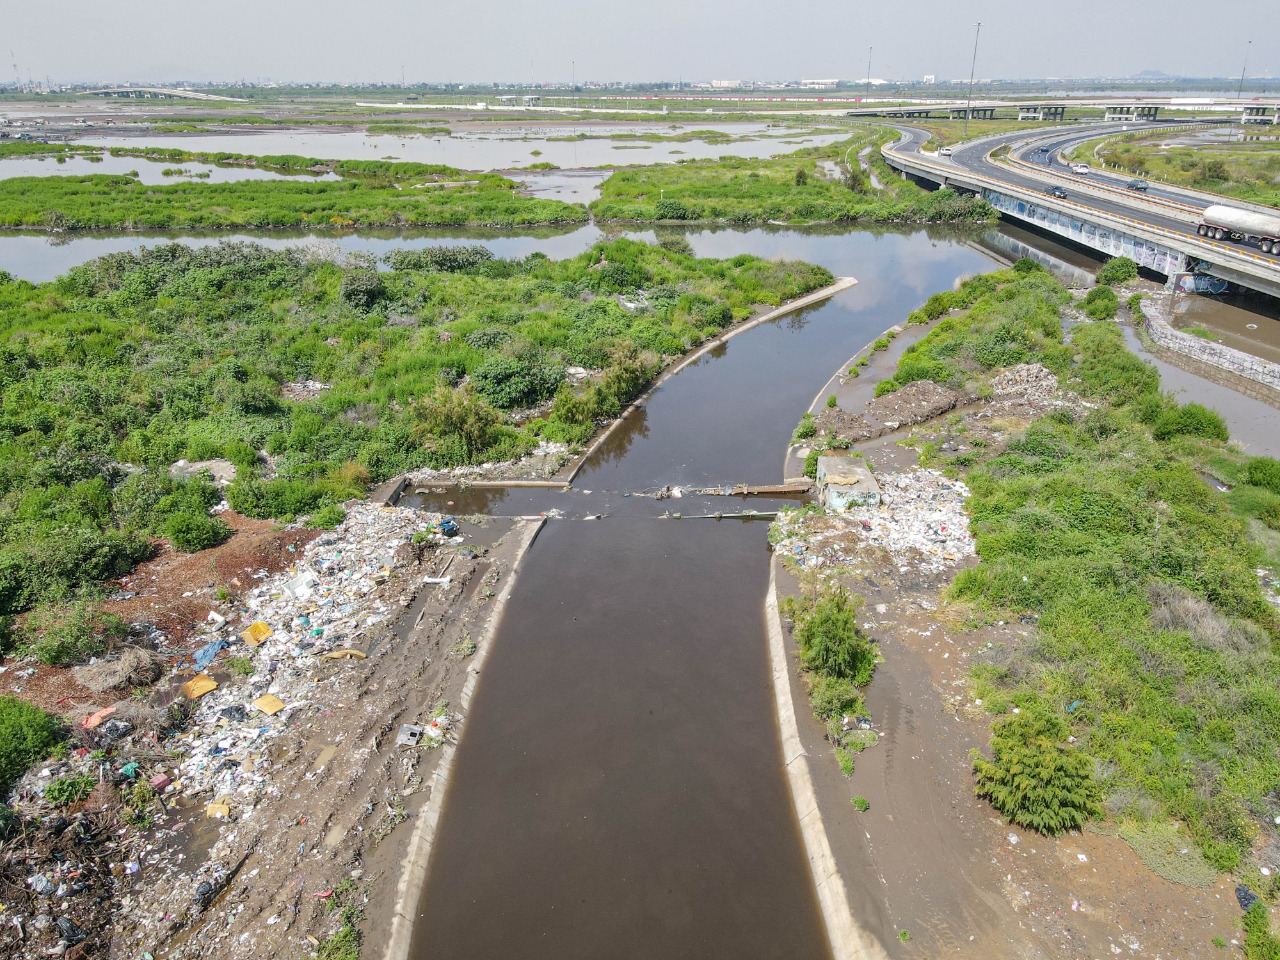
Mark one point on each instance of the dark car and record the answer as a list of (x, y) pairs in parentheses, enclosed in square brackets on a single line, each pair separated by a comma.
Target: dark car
[(1044, 149), (1056, 191), (1139, 185)]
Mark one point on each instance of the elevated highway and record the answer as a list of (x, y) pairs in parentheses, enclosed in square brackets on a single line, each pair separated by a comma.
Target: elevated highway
[(158, 93), (1124, 109), (1156, 229)]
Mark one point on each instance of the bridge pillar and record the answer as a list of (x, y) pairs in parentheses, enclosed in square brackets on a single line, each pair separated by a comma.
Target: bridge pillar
[(1115, 114), (1257, 114), (1147, 112), (1031, 113)]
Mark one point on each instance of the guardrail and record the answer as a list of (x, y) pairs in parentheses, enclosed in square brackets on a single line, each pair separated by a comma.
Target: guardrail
[(1190, 243)]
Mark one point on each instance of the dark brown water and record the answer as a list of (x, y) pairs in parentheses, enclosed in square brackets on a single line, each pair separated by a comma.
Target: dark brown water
[(619, 790)]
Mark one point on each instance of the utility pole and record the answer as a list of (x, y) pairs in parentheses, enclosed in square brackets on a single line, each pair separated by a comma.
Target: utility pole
[(968, 104), (1240, 86), (869, 49)]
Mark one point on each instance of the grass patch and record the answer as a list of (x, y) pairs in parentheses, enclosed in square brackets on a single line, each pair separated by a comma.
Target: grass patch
[(1154, 646), (789, 189), (1168, 852), (370, 193)]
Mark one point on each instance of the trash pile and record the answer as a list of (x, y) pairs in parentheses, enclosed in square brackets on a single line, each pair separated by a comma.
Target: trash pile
[(1027, 390), (920, 521), (324, 609), (538, 464)]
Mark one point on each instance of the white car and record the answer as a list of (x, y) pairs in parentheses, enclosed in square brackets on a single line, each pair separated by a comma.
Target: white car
[(945, 152), (1080, 168)]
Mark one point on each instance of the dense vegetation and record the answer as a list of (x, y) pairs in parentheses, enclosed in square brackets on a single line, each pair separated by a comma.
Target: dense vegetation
[(102, 201), (838, 660), (27, 735), (790, 189), (1155, 644), (126, 364)]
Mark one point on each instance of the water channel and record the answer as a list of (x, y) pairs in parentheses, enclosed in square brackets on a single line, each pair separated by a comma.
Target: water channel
[(619, 789)]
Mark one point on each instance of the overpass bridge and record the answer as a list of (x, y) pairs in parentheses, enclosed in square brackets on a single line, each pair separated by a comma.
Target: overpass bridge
[(158, 93), (1157, 231), (1114, 109)]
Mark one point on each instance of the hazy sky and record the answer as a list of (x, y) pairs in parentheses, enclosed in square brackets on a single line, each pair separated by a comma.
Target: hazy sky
[(446, 40)]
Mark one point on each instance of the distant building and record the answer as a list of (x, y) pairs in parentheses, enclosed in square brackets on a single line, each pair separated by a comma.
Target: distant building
[(725, 84), (819, 84), (930, 78)]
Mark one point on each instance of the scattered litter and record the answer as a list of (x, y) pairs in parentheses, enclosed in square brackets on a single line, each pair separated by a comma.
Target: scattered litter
[(410, 735), (1245, 897), (269, 704)]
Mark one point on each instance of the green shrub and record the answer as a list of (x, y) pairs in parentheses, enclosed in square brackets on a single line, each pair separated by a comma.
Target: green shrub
[(361, 288), (832, 401), (805, 429), (1118, 270), (861, 804), (65, 791), (1101, 303), (811, 464), (887, 386), (1034, 778), (64, 634), (1259, 942), (831, 643), (834, 698), (192, 532), (1264, 472), (327, 517), (1192, 420), (27, 735), (523, 381)]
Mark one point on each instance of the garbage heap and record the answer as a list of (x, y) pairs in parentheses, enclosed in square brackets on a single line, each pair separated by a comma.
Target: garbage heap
[(326, 608), (920, 522)]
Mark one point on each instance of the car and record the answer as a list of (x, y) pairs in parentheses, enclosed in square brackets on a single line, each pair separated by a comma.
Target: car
[(945, 152), (1139, 185), (1045, 148), (1080, 168), (1056, 191)]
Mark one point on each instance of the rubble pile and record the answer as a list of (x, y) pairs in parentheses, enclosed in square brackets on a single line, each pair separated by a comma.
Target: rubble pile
[(920, 522)]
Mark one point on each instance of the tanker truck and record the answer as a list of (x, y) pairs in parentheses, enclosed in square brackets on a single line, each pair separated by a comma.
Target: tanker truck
[(1223, 223)]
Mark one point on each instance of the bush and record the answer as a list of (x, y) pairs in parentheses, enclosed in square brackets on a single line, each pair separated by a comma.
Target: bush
[(834, 698), (326, 518), (805, 429), (65, 634), (887, 386), (1193, 420), (27, 735), (811, 464), (672, 210), (65, 791), (830, 641), (361, 288), (1119, 270), (191, 532), (274, 499), (1101, 303), (861, 804), (525, 381), (1264, 472), (1034, 778)]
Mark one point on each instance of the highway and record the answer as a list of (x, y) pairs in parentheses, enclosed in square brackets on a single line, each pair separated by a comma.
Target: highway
[(1030, 169)]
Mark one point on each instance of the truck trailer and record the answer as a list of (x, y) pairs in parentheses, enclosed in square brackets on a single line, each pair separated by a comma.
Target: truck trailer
[(1220, 222)]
